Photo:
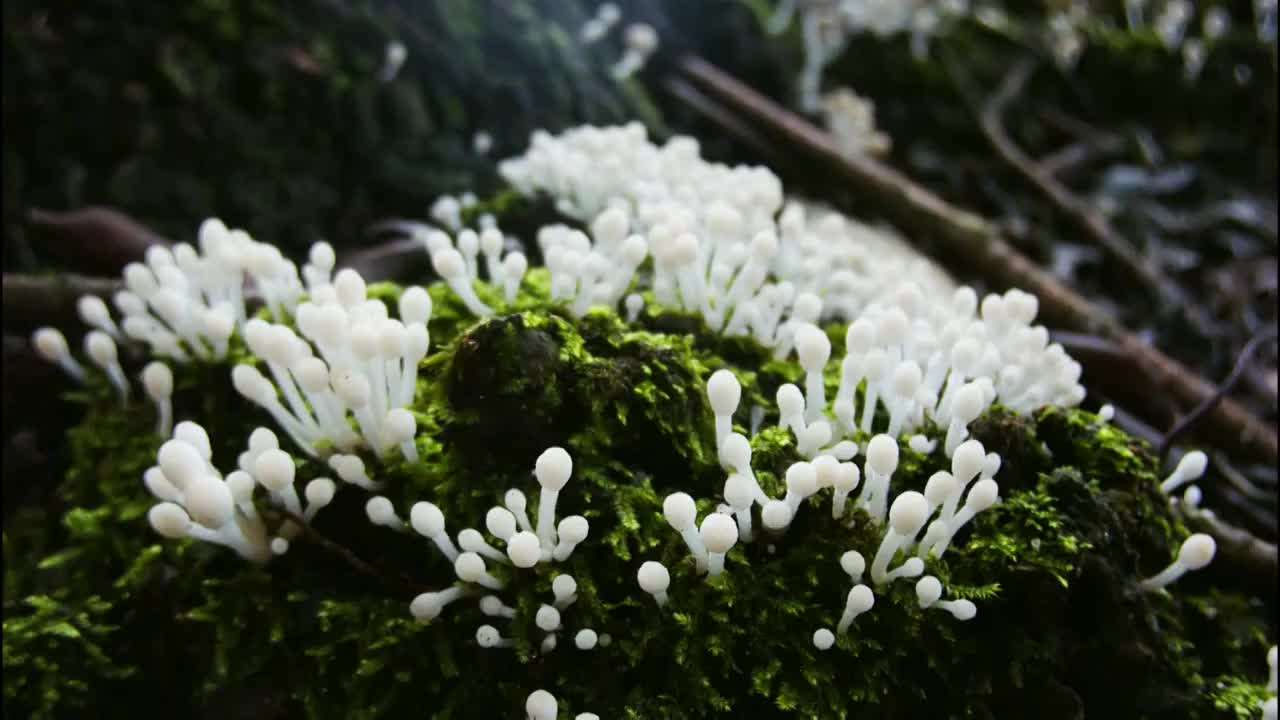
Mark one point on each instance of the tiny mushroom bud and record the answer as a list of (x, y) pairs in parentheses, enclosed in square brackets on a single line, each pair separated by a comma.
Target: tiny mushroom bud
[(776, 515), (547, 619), (564, 588), (170, 520), (493, 606), (823, 639), (860, 600), (487, 636), (586, 639), (854, 564), (501, 523), (654, 579), (382, 512)]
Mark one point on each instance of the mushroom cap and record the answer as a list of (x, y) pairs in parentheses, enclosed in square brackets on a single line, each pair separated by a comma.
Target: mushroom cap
[(564, 586), (586, 639), (735, 451), (547, 619), (541, 705), (790, 401), (968, 404), (501, 523), (928, 590), (802, 479), (653, 577), (209, 501), (882, 454), (817, 433), (426, 606), (573, 529), (812, 347), (1197, 551), (853, 563), (967, 461), (906, 379), (908, 512), (50, 343), (470, 540), (724, 391), (401, 425), (180, 462), (274, 469), (827, 469), (823, 639), (719, 532), (426, 519), (319, 492), (469, 567), (775, 515), (157, 380), (963, 609), (194, 435), (983, 494), (100, 347), (940, 486), (680, 511), (860, 599), (487, 636), (515, 500), (860, 336), (170, 520), (524, 549), (1192, 465), (553, 468), (848, 478)]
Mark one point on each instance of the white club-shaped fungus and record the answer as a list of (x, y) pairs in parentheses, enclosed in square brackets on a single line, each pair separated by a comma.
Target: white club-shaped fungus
[(157, 381), (654, 579), (823, 639), (51, 345), (524, 549), (552, 469), (1196, 552), (1190, 468), (860, 600), (428, 521), (724, 391), (908, 514), (571, 531)]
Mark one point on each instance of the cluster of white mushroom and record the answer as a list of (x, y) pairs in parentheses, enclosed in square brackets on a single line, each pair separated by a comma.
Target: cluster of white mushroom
[(526, 545), (367, 366), (197, 501), (939, 507), (457, 261)]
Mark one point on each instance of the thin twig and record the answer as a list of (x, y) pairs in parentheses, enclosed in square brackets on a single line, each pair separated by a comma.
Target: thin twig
[(1255, 559), (962, 234), (1087, 218), (1209, 403), (345, 553)]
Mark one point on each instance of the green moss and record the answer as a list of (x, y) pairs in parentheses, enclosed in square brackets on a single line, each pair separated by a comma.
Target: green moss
[(1052, 567)]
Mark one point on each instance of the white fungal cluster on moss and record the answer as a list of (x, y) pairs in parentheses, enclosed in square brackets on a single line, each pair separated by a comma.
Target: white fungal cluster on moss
[(939, 507), (196, 501), (351, 358)]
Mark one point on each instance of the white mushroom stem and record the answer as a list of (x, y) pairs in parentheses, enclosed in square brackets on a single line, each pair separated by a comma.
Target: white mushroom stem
[(565, 588), (516, 502), (1196, 552), (911, 567), (102, 350), (859, 601)]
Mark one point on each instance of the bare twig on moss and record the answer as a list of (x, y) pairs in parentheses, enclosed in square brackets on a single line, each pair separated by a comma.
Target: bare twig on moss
[(1208, 404), (964, 235), (347, 555)]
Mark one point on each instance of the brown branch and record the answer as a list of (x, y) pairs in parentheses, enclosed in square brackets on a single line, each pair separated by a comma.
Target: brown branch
[(1239, 552), (31, 301), (964, 234), (1087, 218)]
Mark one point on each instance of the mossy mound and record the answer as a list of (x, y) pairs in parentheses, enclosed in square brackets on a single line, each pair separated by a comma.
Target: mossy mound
[(104, 620)]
